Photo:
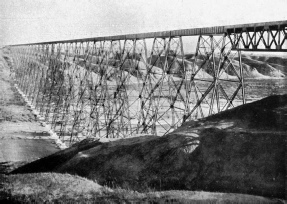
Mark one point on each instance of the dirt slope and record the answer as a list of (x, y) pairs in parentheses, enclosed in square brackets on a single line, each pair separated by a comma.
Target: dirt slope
[(240, 150), (258, 67), (264, 67)]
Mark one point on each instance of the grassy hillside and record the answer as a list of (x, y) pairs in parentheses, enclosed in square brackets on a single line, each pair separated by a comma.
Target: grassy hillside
[(65, 188), (241, 150)]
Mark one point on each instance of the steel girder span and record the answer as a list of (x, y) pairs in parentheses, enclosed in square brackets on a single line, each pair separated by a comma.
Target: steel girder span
[(122, 86)]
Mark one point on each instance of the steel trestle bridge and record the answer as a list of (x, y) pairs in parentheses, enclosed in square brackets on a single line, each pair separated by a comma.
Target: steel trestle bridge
[(119, 86)]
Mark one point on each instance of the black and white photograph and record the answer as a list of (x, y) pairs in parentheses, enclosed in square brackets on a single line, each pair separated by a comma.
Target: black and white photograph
[(143, 101)]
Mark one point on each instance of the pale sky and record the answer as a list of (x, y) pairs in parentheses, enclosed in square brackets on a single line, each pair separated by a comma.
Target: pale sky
[(27, 21)]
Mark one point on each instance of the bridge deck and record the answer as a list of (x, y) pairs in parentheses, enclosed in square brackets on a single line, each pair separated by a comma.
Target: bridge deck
[(251, 27)]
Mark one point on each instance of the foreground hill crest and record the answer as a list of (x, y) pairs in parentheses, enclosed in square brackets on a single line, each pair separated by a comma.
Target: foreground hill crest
[(241, 150)]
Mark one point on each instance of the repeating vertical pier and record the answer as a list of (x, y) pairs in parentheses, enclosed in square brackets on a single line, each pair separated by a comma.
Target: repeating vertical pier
[(148, 83)]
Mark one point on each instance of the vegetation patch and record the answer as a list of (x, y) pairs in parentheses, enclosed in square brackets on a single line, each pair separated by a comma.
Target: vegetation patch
[(49, 187), (65, 188)]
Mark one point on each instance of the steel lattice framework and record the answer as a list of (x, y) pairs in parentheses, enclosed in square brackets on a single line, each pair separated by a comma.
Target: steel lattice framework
[(121, 86)]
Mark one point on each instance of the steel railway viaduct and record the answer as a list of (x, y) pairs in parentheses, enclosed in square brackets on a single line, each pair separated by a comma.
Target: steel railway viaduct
[(147, 83)]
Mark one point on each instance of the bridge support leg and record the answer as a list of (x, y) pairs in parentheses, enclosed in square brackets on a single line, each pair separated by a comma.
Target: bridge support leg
[(242, 78), (119, 88), (216, 78), (163, 86)]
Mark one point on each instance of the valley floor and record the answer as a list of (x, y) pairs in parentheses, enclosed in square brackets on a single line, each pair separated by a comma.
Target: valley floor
[(22, 138)]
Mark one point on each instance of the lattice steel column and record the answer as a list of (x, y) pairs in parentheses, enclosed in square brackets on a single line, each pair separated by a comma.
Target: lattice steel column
[(214, 65)]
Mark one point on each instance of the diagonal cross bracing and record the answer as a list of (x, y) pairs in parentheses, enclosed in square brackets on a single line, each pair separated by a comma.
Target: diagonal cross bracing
[(121, 86)]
